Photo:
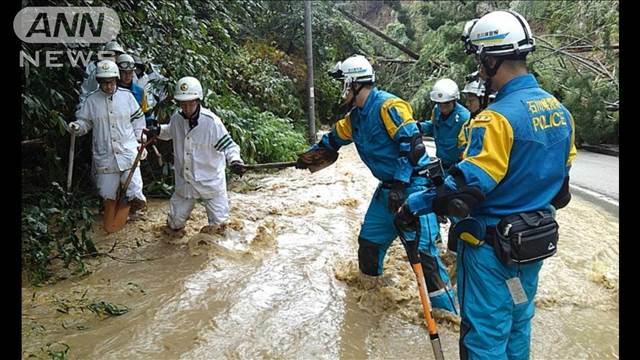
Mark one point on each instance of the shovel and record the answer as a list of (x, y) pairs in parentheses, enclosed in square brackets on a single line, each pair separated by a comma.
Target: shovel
[(276, 165), (283, 165), (116, 212)]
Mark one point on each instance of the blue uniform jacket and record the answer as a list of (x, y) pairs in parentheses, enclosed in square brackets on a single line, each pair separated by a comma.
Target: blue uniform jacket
[(519, 152), (381, 130), (445, 132)]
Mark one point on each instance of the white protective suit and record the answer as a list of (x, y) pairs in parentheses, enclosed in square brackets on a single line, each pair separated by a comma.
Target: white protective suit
[(200, 157), (117, 122)]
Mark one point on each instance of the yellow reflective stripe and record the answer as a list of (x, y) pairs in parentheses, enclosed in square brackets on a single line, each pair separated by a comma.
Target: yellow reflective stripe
[(343, 128), (468, 237), (496, 144), (572, 150), (404, 110), (462, 136), (144, 105)]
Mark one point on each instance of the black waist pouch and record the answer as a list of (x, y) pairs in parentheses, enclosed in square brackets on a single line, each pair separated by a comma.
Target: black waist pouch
[(525, 238)]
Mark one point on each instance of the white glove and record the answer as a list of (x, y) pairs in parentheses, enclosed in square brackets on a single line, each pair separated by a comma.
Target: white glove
[(74, 127)]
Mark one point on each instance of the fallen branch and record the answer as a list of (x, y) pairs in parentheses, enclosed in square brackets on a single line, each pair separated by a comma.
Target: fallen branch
[(588, 64), (385, 37), (396, 61), (589, 48)]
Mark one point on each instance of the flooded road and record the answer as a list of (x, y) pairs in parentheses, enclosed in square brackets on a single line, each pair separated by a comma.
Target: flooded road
[(282, 282)]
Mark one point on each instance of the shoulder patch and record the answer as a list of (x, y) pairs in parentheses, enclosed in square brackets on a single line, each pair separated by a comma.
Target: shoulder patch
[(402, 110), (487, 115), (482, 117)]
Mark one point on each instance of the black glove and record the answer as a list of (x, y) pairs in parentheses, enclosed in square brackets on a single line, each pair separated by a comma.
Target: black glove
[(238, 168), (405, 220), (396, 196), (152, 131)]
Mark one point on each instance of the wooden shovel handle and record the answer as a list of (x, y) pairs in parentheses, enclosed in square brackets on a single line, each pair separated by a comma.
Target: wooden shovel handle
[(123, 189)]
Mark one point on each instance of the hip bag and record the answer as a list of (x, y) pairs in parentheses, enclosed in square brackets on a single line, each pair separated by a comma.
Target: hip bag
[(525, 237)]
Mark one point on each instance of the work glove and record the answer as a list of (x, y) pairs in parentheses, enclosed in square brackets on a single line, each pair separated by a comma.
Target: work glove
[(317, 158), (405, 220), (74, 127), (396, 196), (152, 131), (237, 167)]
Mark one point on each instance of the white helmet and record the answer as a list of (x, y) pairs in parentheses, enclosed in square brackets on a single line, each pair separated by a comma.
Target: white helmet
[(188, 88), (500, 33), (444, 90), (467, 30), (125, 62), (114, 46), (475, 87), (107, 69), (139, 60), (354, 69)]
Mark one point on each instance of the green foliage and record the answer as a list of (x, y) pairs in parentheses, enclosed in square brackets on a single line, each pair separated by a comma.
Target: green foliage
[(55, 224), (270, 139), (586, 82), (55, 353)]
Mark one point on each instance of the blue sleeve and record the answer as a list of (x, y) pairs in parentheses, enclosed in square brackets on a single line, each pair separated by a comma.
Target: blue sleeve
[(427, 128), (421, 203), (405, 131), (331, 140)]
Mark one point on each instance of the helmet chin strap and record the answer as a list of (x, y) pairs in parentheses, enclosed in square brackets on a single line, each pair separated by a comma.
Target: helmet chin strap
[(491, 72), (347, 106), (355, 92)]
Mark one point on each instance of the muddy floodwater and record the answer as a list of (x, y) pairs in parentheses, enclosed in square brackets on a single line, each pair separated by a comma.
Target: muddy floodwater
[(282, 282)]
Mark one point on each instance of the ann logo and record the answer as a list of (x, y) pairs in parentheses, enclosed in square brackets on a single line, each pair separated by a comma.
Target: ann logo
[(73, 24), (41, 25)]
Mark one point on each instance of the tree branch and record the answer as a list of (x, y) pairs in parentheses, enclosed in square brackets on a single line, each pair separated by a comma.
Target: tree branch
[(385, 37), (395, 61)]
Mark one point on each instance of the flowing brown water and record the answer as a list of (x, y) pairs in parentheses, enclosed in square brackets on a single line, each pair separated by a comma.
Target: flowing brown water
[(283, 283)]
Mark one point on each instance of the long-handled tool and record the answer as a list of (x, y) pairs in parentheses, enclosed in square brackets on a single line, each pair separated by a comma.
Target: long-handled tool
[(72, 149), (158, 155), (116, 212), (276, 165), (411, 246)]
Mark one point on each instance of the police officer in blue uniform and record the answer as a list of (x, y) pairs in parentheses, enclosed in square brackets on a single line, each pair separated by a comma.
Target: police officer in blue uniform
[(514, 174), (387, 139), (127, 81), (447, 120)]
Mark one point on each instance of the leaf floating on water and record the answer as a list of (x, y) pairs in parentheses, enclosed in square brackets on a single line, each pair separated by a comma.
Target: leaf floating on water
[(103, 308)]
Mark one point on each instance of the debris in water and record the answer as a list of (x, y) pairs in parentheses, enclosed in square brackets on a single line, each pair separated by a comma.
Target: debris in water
[(350, 202), (265, 235), (198, 241)]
